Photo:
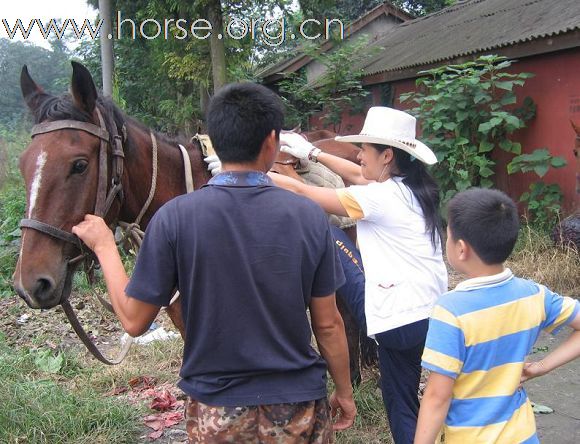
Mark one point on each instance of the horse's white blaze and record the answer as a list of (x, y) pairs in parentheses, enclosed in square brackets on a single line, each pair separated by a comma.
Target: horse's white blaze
[(36, 181), (34, 189)]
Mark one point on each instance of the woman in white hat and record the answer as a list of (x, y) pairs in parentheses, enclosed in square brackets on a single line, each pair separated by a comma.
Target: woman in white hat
[(396, 202)]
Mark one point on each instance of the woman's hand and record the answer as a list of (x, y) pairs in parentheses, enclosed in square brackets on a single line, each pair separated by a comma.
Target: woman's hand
[(214, 164), (295, 145)]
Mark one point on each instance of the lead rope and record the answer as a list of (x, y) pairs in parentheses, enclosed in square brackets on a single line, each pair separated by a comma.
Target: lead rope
[(77, 327), (153, 182)]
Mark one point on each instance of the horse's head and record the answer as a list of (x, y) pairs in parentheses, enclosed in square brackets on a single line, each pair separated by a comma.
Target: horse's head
[(60, 167), (577, 154)]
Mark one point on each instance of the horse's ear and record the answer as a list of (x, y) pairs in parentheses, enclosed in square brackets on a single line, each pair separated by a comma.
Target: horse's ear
[(575, 126), (30, 90), (83, 88)]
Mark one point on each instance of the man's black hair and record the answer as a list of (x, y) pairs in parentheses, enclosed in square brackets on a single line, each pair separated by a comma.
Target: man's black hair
[(487, 220), (239, 118)]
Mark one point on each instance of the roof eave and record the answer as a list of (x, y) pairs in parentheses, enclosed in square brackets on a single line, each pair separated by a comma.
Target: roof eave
[(537, 46)]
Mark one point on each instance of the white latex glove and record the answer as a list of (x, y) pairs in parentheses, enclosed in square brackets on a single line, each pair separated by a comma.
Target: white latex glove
[(296, 145), (214, 164)]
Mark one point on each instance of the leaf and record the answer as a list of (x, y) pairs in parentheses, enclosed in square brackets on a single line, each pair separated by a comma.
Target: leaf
[(485, 146), (463, 185), (48, 363), (508, 86), (505, 145), (163, 402), (484, 127), (486, 183), (541, 170), (514, 121), (485, 172), (516, 148), (558, 162)]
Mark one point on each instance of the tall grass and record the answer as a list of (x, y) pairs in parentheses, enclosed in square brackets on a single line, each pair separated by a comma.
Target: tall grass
[(38, 408)]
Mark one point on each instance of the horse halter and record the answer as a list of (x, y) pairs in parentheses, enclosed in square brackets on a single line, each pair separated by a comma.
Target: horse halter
[(104, 199), (103, 204)]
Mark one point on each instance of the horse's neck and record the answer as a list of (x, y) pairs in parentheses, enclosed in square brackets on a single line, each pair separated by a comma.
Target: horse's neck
[(170, 173)]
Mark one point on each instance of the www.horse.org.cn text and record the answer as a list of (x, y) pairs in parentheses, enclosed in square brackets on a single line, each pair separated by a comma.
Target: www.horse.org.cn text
[(272, 31)]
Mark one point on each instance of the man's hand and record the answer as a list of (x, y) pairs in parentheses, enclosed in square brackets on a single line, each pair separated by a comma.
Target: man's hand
[(95, 233), (296, 145), (214, 164), (343, 409)]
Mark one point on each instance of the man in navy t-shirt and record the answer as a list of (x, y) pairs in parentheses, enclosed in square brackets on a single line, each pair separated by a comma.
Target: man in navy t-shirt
[(249, 259)]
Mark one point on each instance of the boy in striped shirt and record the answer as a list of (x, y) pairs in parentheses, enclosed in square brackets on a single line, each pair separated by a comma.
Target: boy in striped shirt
[(480, 333)]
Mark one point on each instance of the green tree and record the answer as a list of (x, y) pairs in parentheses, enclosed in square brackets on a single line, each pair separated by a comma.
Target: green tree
[(48, 66), (346, 10), (423, 7)]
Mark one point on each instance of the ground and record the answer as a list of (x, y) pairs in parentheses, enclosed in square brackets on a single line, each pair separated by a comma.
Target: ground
[(27, 328)]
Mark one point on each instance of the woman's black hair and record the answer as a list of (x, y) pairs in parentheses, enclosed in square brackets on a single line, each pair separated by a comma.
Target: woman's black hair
[(418, 178)]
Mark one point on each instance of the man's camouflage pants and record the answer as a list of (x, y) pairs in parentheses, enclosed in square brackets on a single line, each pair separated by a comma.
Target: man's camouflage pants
[(301, 422)]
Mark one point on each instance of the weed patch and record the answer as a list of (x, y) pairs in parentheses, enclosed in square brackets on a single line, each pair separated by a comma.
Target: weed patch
[(37, 408), (537, 258)]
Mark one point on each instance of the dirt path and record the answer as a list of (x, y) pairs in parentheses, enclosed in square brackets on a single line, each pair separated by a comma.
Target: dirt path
[(559, 390)]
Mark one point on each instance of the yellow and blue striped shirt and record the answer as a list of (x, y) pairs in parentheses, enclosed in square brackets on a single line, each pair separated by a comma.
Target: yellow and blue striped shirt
[(480, 334)]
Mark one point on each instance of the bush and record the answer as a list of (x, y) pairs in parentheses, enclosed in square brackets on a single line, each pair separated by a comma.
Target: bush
[(466, 112)]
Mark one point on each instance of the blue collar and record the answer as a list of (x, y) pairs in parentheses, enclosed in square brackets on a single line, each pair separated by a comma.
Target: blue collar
[(241, 179)]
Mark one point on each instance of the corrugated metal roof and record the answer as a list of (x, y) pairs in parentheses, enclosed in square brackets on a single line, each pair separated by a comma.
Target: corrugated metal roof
[(469, 27)]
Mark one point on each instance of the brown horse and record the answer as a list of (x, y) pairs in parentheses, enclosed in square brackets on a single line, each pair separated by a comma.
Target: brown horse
[(61, 169)]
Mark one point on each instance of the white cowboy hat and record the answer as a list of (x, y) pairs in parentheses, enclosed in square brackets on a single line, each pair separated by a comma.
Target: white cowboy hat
[(388, 126)]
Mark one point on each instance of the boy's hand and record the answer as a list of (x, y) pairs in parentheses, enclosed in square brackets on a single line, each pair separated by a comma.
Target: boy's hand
[(532, 370), (345, 418), (95, 233)]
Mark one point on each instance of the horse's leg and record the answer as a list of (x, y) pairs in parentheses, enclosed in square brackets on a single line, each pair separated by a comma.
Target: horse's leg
[(367, 346), (176, 316), (352, 337)]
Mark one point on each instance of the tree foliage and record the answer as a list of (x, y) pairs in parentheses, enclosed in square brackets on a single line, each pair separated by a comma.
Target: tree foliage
[(49, 67), (338, 89)]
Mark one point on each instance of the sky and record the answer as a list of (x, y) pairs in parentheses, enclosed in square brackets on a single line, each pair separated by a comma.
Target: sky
[(27, 10)]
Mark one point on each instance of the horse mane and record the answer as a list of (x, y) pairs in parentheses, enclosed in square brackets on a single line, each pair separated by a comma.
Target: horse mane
[(52, 108)]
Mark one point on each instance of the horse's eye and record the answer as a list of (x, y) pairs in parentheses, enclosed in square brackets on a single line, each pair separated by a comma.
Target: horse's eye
[(79, 167)]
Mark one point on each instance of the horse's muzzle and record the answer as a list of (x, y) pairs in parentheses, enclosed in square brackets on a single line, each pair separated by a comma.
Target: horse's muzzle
[(44, 291)]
